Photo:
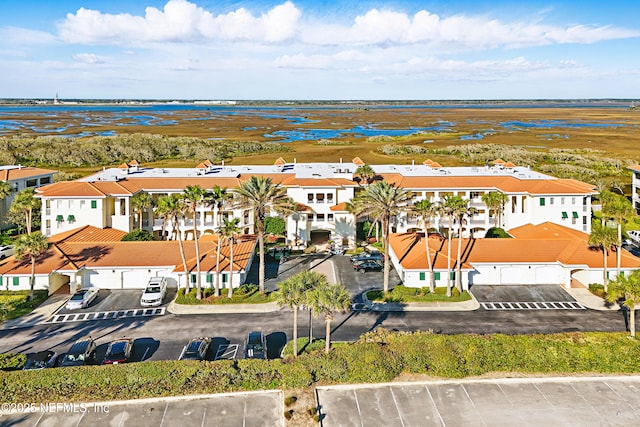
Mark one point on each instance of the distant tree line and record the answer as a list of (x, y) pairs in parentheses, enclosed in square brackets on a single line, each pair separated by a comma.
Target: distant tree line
[(107, 150)]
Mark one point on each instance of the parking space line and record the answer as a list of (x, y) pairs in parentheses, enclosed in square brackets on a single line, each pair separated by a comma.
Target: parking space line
[(395, 402), (533, 305), (104, 315)]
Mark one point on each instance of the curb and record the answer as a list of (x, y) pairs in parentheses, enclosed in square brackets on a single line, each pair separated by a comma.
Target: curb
[(470, 305), (37, 316), (222, 308), (591, 301)]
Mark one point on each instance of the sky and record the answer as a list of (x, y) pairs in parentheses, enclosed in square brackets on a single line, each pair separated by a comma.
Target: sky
[(319, 50)]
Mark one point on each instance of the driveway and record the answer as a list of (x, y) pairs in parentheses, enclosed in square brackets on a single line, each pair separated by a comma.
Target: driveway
[(524, 297), (610, 401), (118, 299)]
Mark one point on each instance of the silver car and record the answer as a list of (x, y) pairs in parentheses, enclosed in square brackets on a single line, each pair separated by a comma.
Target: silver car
[(6, 251), (154, 292), (82, 299)]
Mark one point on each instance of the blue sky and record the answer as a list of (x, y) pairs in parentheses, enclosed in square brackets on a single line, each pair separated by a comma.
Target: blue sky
[(387, 49)]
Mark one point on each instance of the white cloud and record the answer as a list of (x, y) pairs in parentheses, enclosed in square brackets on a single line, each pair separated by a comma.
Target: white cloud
[(88, 58), (25, 36), (179, 21)]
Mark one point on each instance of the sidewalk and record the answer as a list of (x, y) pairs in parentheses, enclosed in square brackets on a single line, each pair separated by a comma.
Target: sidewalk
[(589, 300), (39, 314)]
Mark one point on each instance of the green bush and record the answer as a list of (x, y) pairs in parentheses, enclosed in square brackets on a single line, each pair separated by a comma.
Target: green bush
[(11, 361), (408, 294), (138, 236), (597, 289), (245, 294), (274, 225), (497, 233), (377, 356)]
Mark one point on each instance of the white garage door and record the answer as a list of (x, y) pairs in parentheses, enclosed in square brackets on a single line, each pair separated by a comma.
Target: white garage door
[(517, 276)]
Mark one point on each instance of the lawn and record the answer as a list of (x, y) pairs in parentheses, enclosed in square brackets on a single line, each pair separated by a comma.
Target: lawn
[(245, 294), (14, 304), (406, 294)]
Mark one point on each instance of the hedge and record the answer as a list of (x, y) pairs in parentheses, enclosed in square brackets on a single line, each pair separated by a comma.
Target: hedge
[(378, 356)]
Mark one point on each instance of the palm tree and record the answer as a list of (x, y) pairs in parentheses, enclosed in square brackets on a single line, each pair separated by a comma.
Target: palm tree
[(495, 200), (140, 202), (619, 209), (364, 173), (327, 299), (220, 197), (603, 237), (262, 196), (382, 201), (194, 197), (25, 203), (31, 246), (450, 207), (427, 210), (173, 208), (292, 293), (627, 287), (230, 231), (463, 211)]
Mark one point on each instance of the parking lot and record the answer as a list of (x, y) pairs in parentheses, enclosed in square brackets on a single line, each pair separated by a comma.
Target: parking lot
[(610, 401), (218, 410), (118, 300), (524, 297)]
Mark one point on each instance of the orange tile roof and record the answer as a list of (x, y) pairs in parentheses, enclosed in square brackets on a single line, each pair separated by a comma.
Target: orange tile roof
[(20, 172), (83, 189), (134, 162), (498, 161), (280, 161), (89, 233), (509, 165), (340, 207), (428, 162), (566, 247), (243, 251), (357, 161), (634, 168)]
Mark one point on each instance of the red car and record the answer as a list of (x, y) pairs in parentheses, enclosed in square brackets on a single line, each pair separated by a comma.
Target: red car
[(118, 351)]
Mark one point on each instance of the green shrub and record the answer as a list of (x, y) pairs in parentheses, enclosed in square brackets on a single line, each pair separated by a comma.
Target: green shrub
[(274, 225), (11, 361), (408, 294), (497, 233), (597, 289), (138, 236)]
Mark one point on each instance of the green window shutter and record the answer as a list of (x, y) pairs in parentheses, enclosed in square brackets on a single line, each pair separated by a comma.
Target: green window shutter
[(94, 204), (16, 281), (209, 278), (225, 278), (453, 275), (565, 215), (193, 278), (71, 218), (575, 214), (541, 201), (59, 218), (436, 275), (423, 275)]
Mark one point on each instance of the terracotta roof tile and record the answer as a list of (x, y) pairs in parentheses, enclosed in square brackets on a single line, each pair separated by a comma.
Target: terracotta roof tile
[(21, 172), (357, 161), (340, 207)]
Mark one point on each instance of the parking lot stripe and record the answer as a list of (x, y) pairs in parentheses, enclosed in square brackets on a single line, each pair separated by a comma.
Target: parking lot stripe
[(395, 402), (533, 305), (104, 315)]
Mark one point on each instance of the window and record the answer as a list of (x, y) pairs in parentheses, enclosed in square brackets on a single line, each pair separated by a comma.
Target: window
[(94, 204), (575, 214), (32, 182), (474, 195), (320, 198), (193, 278), (452, 275), (45, 180), (123, 206), (59, 218), (329, 197), (423, 275), (16, 281), (436, 275), (209, 278), (573, 200), (330, 217), (310, 198), (319, 217), (82, 203), (514, 204), (565, 215), (550, 200), (541, 201), (225, 278), (71, 219)]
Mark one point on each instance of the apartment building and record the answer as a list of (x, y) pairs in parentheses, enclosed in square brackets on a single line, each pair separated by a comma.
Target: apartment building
[(21, 177), (321, 191)]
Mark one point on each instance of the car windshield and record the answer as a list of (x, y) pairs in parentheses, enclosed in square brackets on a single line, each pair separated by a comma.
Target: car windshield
[(117, 349), (38, 360), (78, 296), (152, 290), (71, 357)]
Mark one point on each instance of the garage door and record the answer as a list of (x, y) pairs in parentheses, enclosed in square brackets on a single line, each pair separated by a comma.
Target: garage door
[(517, 276), (319, 237)]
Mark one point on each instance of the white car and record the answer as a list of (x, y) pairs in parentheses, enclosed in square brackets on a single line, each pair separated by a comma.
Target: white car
[(154, 292), (6, 251), (634, 236), (82, 299)]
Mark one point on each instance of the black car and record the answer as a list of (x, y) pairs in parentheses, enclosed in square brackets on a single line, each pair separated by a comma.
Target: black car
[(82, 352), (364, 266), (196, 349), (118, 351), (256, 346), (368, 256), (41, 360)]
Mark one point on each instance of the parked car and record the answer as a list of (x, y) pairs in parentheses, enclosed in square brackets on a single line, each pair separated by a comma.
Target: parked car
[(368, 256), (255, 346), (118, 351), (41, 360), (6, 251), (82, 299), (154, 292), (364, 266), (196, 349), (82, 352), (634, 236)]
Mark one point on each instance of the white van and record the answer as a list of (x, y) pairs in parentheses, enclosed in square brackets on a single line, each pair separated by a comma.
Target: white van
[(154, 292)]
